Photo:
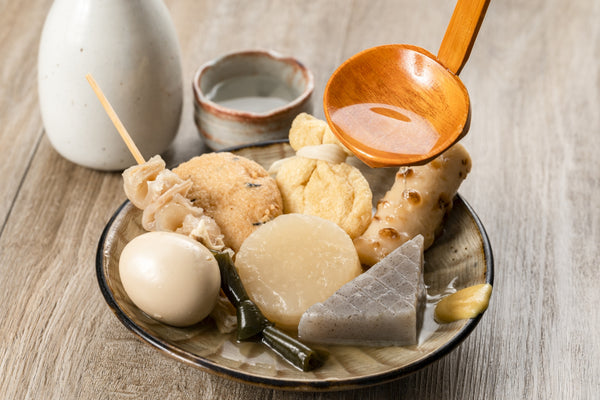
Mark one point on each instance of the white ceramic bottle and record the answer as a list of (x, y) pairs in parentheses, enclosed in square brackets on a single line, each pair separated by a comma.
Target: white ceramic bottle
[(130, 47)]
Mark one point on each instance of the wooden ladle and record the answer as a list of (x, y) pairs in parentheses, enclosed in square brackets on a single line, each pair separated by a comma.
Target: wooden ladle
[(399, 104)]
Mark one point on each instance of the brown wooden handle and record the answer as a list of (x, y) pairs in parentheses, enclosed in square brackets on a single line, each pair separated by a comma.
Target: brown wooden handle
[(461, 33)]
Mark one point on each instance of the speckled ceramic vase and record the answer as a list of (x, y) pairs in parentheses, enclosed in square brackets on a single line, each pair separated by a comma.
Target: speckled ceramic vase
[(130, 47)]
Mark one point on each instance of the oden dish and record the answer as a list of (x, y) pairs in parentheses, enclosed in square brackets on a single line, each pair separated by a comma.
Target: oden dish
[(460, 255)]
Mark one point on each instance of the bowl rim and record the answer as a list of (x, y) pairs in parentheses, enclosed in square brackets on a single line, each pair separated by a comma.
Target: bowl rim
[(289, 383), (202, 101)]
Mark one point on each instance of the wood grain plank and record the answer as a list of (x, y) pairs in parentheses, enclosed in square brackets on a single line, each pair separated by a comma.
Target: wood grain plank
[(535, 90), (527, 161), (46, 264), (20, 121)]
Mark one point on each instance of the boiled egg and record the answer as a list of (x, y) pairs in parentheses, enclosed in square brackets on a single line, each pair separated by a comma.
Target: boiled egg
[(171, 277)]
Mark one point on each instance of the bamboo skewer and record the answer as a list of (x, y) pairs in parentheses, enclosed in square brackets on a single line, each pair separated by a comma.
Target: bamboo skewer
[(135, 152)]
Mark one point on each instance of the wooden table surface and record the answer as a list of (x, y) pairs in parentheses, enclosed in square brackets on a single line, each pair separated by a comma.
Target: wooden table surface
[(534, 82)]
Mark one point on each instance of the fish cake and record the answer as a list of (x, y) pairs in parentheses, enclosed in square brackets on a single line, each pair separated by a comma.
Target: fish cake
[(336, 192), (417, 203), (329, 189), (236, 192)]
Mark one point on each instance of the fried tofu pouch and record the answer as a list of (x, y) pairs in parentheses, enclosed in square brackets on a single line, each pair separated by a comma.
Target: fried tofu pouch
[(236, 192), (417, 203), (324, 186)]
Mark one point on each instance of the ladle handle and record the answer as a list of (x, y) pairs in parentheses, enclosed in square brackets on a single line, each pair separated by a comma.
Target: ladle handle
[(461, 33)]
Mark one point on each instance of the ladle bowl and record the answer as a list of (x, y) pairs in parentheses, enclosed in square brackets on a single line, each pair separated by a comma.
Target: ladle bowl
[(399, 104)]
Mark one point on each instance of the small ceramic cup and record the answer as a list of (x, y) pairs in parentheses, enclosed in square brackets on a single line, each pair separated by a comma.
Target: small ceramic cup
[(250, 96)]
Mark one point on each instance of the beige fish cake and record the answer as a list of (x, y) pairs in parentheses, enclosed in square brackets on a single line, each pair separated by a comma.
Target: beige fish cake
[(336, 192), (236, 192), (417, 203), (321, 185)]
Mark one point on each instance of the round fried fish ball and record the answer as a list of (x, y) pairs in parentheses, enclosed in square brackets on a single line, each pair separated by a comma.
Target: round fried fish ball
[(236, 192)]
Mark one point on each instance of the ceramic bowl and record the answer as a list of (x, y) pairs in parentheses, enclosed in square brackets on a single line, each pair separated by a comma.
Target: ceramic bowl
[(249, 96), (460, 257)]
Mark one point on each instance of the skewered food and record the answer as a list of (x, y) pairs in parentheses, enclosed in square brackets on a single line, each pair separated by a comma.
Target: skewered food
[(164, 198)]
